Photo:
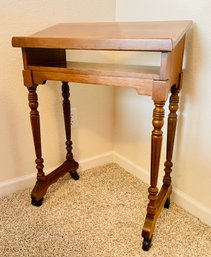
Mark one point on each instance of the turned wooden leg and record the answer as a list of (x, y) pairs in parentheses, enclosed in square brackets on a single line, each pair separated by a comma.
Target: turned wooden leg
[(156, 142), (35, 124), (67, 122), (172, 122), (67, 119)]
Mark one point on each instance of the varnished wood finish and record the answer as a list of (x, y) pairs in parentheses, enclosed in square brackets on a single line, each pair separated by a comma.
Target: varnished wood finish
[(67, 122), (101, 69), (41, 187), (35, 124), (44, 57), (137, 36), (157, 200), (70, 165), (137, 77), (172, 122), (67, 119), (156, 143), (36, 56)]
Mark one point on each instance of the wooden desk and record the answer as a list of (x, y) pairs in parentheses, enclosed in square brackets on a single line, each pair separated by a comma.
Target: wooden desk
[(44, 57)]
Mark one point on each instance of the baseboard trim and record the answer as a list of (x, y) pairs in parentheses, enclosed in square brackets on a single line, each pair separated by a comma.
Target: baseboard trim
[(131, 167), (183, 200), (96, 160), (12, 185), (192, 206)]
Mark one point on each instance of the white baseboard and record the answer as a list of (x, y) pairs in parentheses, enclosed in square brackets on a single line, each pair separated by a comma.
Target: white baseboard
[(179, 197), (185, 201), (12, 185), (131, 167), (96, 160), (192, 206)]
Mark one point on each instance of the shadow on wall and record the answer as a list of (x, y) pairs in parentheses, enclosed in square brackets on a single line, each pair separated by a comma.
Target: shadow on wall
[(191, 81), (14, 151)]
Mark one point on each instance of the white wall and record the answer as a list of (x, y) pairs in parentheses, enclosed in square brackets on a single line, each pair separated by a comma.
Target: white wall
[(16, 151), (192, 162)]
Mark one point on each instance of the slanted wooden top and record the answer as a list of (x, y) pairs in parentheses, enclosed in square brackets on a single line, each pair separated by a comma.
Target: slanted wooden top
[(136, 36)]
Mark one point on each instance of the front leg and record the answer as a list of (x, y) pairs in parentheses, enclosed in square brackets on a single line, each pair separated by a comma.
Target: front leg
[(35, 124), (156, 143)]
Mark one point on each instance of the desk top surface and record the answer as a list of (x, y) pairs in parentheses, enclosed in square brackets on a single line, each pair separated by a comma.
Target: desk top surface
[(136, 36)]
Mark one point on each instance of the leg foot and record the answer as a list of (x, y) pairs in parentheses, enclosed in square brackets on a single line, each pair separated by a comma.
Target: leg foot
[(37, 203), (74, 175), (146, 244), (167, 203)]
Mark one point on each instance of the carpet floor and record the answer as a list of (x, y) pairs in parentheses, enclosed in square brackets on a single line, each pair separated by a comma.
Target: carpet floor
[(100, 215)]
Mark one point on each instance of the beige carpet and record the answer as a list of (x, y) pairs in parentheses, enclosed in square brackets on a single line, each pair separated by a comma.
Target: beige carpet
[(100, 215)]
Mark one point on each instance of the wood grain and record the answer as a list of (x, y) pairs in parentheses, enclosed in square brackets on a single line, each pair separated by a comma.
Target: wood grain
[(136, 36), (44, 57)]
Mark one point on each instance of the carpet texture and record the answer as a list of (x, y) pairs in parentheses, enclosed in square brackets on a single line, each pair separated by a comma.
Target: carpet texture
[(100, 215)]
